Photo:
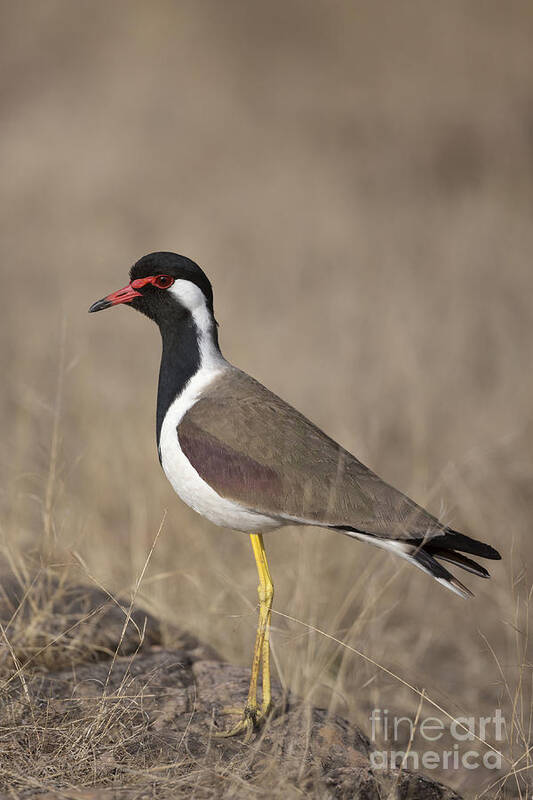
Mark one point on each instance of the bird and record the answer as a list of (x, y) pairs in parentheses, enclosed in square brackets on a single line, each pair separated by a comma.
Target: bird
[(246, 460)]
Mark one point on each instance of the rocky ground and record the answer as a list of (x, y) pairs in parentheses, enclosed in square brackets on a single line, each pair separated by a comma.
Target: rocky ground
[(102, 709)]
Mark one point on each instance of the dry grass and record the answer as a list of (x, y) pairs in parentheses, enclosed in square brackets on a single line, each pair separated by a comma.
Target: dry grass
[(357, 182)]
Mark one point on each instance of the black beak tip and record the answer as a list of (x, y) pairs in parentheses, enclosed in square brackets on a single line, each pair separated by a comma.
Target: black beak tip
[(99, 306)]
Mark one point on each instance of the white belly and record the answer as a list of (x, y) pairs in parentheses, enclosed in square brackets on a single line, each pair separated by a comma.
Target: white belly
[(187, 483)]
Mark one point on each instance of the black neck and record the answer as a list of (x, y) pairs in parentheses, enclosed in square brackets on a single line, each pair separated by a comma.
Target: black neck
[(180, 360)]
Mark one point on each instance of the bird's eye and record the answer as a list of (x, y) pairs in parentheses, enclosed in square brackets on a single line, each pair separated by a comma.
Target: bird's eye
[(163, 281)]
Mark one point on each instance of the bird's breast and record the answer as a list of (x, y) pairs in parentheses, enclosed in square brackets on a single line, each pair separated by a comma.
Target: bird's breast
[(185, 480)]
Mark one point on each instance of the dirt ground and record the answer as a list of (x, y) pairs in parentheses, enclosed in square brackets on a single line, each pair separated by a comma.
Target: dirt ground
[(105, 709)]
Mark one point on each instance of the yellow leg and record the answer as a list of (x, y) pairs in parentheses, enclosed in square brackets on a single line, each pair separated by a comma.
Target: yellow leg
[(266, 596), (251, 715)]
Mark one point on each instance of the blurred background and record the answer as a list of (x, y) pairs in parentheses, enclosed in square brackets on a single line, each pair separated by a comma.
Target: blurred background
[(357, 181)]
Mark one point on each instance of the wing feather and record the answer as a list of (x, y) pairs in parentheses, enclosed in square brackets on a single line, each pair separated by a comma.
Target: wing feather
[(255, 449)]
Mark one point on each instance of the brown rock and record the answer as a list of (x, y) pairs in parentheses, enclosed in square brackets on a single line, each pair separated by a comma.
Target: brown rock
[(140, 724)]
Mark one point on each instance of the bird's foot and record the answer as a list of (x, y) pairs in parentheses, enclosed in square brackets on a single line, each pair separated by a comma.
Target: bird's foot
[(250, 720)]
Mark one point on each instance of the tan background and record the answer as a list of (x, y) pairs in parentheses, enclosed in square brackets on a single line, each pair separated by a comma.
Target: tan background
[(357, 181)]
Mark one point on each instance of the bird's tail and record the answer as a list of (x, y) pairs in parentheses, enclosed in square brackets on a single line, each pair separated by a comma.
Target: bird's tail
[(427, 554), (426, 561)]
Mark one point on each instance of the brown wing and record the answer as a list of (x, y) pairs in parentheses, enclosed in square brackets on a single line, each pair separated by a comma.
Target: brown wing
[(257, 450)]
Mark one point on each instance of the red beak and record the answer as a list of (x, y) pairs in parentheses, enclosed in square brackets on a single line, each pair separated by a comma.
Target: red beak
[(125, 295)]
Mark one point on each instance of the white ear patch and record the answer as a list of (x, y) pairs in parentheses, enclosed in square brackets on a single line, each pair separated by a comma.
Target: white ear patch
[(188, 294)]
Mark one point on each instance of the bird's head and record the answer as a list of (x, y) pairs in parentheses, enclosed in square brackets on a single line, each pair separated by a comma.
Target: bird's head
[(166, 287)]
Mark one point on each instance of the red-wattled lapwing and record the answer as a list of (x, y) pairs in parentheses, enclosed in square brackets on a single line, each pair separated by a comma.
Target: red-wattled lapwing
[(242, 457)]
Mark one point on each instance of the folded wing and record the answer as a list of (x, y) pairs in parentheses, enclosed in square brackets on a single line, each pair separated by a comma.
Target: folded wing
[(255, 449)]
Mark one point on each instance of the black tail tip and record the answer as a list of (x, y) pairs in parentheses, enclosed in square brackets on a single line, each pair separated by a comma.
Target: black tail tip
[(458, 541)]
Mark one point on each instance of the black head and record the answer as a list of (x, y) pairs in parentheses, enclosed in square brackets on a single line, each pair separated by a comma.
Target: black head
[(154, 291), (174, 292)]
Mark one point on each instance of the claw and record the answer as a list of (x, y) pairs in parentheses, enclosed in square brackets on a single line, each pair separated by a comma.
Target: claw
[(251, 719)]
